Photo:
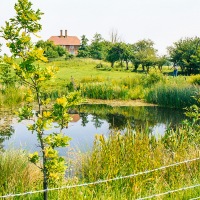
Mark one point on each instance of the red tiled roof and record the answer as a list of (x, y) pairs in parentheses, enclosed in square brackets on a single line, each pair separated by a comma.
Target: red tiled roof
[(69, 40)]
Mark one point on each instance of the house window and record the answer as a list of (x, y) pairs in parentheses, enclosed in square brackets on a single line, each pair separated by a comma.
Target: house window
[(71, 47)]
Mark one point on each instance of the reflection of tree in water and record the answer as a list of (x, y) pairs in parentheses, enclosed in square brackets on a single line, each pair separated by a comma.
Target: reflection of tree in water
[(142, 119), (116, 121), (84, 117), (6, 130), (96, 119)]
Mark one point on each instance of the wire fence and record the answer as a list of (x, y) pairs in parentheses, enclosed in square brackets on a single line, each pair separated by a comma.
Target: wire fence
[(169, 192), (195, 198), (114, 179)]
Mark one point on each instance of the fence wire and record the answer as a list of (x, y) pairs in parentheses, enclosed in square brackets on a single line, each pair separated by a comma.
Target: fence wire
[(169, 192), (113, 179), (195, 198)]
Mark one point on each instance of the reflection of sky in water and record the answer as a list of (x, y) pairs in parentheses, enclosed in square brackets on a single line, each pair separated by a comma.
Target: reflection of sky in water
[(159, 130), (83, 136)]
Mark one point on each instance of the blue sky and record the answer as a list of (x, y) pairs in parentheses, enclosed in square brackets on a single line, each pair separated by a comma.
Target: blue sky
[(162, 21)]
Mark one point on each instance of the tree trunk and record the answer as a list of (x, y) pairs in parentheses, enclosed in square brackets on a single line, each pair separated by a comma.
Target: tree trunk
[(45, 180), (44, 160), (121, 61), (126, 65), (160, 68), (143, 68), (136, 67)]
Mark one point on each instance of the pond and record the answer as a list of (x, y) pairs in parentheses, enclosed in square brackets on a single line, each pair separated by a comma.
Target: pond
[(89, 120)]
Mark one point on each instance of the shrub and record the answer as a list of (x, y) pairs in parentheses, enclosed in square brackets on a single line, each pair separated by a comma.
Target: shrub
[(195, 79), (152, 78)]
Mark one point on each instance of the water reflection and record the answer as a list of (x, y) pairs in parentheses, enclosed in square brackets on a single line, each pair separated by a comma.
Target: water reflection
[(6, 130), (89, 120), (137, 118)]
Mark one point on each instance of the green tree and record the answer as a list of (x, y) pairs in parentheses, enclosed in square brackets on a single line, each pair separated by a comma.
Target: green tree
[(18, 32), (51, 50), (160, 61), (186, 54), (119, 51), (114, 53), (97, 47), (83, 50), (127, 53), (144, 54)]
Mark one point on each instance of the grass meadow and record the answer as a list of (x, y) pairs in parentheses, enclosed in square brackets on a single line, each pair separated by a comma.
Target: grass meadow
[(108, 83), (116, 83)]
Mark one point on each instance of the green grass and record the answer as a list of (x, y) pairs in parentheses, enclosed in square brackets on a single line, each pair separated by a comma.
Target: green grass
[(11, 97), (174, 96), (115, 83), (115, 156), (16, 173)]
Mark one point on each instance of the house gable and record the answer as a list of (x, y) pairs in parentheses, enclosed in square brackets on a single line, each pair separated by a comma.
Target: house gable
[(71, 43)]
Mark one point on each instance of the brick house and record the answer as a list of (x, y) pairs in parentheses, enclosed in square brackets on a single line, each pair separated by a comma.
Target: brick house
[(71, 43)]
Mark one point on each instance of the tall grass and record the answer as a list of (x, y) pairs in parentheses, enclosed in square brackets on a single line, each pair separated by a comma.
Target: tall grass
[(16, 173), (129, 153), (120, 154), (104, 91), (175, 96), (12, 97)]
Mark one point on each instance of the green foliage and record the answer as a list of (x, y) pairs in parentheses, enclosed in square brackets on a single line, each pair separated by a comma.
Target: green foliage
[(152, 78), (83, 50), (116, 155), (98, 47), (123, 154), (12, 97), (186, 54), (115, 53), (144, 54), (25, 112), (18, 33), (51, 50), (7, 78), (195, 79)]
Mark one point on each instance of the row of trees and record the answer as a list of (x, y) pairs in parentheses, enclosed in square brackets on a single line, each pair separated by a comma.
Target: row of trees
[(184, 53)]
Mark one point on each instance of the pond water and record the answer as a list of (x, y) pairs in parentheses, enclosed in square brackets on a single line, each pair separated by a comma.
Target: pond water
[(89, 120)]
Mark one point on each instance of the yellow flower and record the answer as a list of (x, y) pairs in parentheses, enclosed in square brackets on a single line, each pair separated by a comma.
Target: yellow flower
[(46, 114), (61, 101), (54, 176), (41, 79)]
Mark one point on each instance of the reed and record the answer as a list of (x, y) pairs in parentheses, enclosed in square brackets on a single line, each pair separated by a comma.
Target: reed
[(120, 154), (104, 91), (16, 173), (175, 96), (129, 153), (12, 96)]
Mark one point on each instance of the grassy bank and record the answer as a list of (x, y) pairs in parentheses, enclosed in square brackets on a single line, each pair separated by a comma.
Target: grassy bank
[(116, 156), (117, 83), (113, 84)]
